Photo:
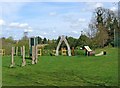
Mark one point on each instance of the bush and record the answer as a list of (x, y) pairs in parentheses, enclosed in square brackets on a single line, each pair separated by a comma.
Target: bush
[(79, 52)]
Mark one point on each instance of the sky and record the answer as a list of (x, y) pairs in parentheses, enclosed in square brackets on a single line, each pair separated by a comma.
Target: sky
[(47, 19)]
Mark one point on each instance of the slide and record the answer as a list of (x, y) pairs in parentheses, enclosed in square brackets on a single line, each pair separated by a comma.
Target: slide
[(87, 48)]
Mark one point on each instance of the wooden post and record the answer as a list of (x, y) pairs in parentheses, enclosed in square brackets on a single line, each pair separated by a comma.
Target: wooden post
[(16, 51), (73, 52), (12, 54), (36, 54), (61, 51), (23, 59), (33, 54), (21, 50)]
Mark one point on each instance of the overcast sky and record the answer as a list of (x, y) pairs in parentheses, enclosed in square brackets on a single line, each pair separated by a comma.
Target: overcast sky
[(47, 19)]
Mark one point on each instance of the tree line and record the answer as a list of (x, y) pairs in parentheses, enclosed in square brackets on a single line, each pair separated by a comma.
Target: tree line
[(103, 30)]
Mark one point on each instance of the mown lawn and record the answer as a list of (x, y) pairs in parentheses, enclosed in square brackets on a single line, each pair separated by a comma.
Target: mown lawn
[(63, 71)]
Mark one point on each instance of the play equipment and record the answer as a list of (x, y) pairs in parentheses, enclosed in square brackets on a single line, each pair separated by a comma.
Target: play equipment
[(88, 51), (23, 56), (33, 41), (2, 52), (63, 51), (68, 47), (39, 50), (14, 53), (34, 55), (73, 52), (12, 60), (33, 52), (101, 53), (53, 53)]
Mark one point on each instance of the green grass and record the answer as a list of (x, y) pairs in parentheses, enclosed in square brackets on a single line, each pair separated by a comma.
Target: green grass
[(63, 71)]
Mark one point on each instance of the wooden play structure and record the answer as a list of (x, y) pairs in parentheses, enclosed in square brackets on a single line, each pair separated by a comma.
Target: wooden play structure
[(53, 51), (33, 41), (63, 39), (101, 53), (39, 48), (12, 59), (63, 51), (34, 52), (2, 52), (16, 52), (73, 51), (39, 52), (35, 49), (88, 51), (13, 53)]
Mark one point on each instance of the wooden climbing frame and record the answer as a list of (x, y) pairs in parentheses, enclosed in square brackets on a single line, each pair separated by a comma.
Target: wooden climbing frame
[(2, 52), (63, 50), (39, 52)]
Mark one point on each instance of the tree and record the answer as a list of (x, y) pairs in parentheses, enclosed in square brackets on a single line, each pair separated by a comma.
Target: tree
[(72, 42), (111, 23), (44, 41), (7, 44), (102, 27), (10, 38), (58, 40), (39, 40), (83, 40), (102, 36), (24, 42)]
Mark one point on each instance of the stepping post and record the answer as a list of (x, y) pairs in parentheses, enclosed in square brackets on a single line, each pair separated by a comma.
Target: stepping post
[(73, 52), (33, 54), (16, 51), (23, 59), (21, 51), (36, 54), (12, 59)]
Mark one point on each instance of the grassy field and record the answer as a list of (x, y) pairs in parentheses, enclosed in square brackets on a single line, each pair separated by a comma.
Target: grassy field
[(63, 71)]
